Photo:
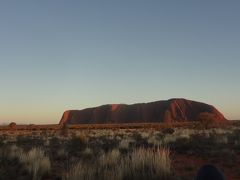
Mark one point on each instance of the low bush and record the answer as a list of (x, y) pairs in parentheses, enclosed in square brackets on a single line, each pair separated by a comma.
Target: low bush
[(199, 144), (78, 142), (108, 144), (28, 140), (87, 154), (168, 131), (54, 142)]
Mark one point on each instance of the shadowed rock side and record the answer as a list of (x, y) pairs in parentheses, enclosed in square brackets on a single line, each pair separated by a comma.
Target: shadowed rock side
[(160, 111)]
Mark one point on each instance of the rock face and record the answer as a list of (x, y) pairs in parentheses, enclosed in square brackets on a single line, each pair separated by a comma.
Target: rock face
[(172, 110)]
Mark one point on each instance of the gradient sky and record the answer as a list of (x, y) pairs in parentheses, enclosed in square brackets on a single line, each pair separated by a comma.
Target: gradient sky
[(58, 55)]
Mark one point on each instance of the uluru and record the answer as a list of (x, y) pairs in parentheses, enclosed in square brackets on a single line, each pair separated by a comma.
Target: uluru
[(172, 110)]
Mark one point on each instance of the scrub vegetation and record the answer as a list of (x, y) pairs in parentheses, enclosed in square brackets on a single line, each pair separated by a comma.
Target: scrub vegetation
[(137, 151)]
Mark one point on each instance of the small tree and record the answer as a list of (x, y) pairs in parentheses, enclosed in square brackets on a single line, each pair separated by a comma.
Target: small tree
[(12, 126)]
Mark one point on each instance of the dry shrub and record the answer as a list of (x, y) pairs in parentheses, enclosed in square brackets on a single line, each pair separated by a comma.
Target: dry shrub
[(82, 138), (140, 164), (81, 171), (87, 153), (36, 163), (109, 166), (78, 142), (106, 168), (61, 153), (148, 164), (124, 144)]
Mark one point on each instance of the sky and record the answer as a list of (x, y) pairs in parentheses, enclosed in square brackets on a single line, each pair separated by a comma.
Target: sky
[(59, 55)]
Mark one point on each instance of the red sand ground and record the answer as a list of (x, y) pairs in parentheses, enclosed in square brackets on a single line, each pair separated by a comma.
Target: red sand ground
[(187, 165)]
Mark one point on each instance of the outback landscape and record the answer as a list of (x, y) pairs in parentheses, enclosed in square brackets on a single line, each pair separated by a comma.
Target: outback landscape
[(172, 149), (119, 90)]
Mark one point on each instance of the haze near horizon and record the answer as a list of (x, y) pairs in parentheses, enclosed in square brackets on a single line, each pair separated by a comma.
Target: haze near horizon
[(59, 55)]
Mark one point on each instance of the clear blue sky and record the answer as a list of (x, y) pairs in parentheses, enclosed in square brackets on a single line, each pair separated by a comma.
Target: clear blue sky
[(58, 55)]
